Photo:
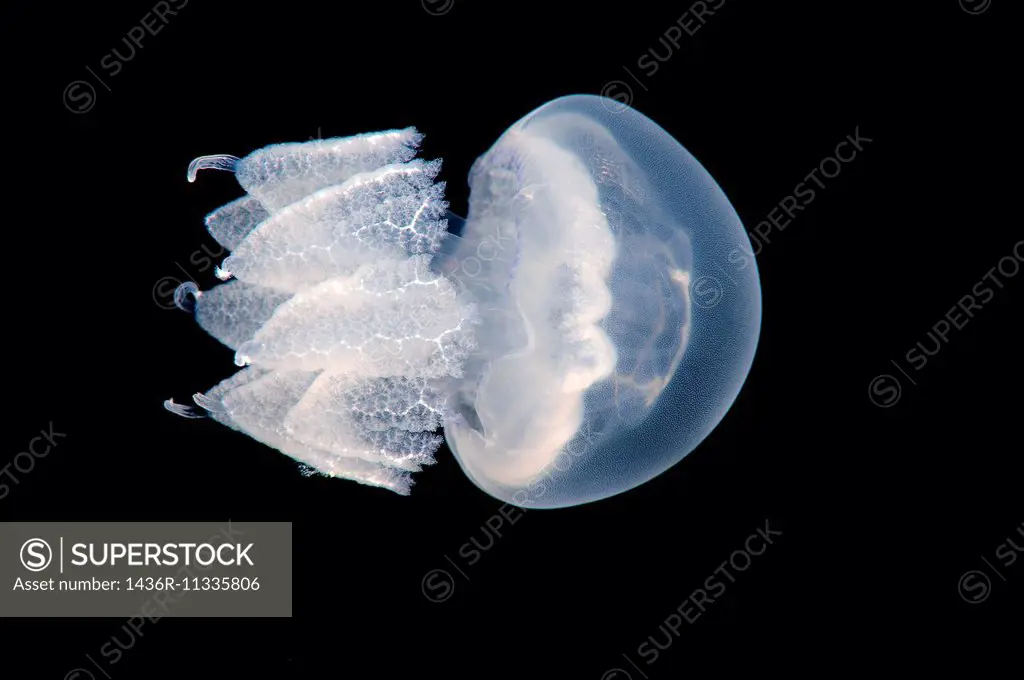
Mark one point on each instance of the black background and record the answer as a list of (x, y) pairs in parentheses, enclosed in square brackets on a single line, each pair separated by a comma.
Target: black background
[(882, 510)]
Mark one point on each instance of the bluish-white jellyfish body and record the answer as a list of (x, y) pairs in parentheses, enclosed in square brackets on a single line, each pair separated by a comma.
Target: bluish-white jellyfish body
[(582, 330)]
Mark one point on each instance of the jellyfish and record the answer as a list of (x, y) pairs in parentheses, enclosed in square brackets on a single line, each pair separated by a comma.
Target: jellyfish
[(581, 330)]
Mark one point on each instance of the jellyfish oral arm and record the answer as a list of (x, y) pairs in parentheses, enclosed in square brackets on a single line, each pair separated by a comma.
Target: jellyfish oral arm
[(344, 331)]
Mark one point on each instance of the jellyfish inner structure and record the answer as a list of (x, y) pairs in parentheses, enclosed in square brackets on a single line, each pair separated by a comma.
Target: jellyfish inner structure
[(583, 329)]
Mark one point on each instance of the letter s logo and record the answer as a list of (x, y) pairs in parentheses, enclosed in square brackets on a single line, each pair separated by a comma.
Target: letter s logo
[(36, 554)]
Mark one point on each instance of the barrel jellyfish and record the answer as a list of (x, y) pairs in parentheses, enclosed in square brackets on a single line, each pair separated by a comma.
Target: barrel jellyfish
[(583, 328)]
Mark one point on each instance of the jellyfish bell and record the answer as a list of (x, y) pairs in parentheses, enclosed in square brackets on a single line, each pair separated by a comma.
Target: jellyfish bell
[(618, 327), (572, 335)]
